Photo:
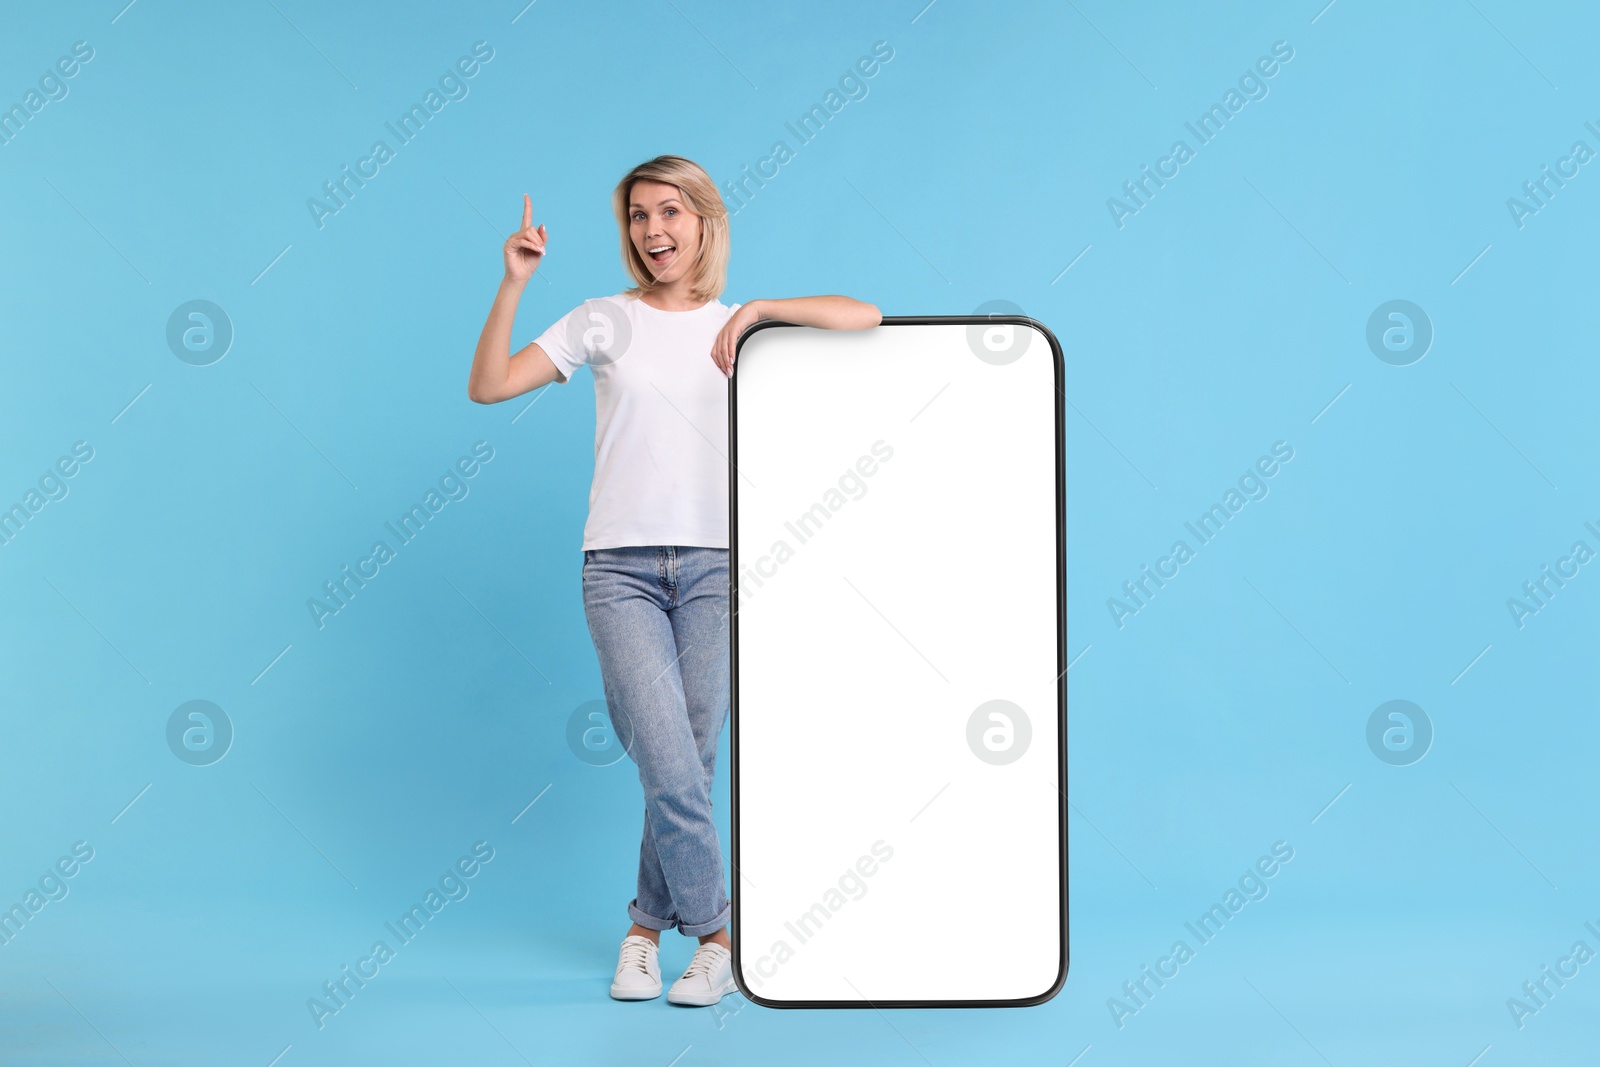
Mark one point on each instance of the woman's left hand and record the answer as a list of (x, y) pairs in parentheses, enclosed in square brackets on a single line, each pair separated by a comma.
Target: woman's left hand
[(722, 349)]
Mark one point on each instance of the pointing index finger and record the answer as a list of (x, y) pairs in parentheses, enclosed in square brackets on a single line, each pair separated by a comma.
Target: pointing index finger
[(527, 211)]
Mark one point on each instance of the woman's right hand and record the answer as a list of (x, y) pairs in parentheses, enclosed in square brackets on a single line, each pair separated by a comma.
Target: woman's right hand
[(525, 249)]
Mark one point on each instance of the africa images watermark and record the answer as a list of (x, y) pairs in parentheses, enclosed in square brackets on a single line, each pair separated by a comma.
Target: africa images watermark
[(52, 486), (1252, 86), (851, 885), (810, 123), (338, 992), (52, 886), (1252, 485), (52, 87), (851, 485), (338, 192), (1539, 591), (1538, 992), (1538, 192), (452, 486), (1252, 886)]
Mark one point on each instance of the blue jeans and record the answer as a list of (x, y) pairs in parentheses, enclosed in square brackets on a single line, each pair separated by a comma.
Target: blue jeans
[(658, 615)]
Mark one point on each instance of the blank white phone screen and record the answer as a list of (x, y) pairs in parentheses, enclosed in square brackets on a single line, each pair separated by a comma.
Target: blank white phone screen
[(899, 694)]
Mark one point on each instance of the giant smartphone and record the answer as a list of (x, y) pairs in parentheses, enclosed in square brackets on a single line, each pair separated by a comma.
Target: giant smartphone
[(897, 536)]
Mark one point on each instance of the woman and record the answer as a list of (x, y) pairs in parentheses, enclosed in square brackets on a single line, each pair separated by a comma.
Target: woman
[(655, 546)]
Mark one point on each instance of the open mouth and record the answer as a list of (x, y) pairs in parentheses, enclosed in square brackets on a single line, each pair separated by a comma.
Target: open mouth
[(663, 254)]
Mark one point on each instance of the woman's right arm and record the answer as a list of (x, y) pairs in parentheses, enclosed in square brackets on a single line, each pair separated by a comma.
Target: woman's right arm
[(496, 374)]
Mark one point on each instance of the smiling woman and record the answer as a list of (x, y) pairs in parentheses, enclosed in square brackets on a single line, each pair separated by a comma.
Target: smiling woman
[(655, 546)]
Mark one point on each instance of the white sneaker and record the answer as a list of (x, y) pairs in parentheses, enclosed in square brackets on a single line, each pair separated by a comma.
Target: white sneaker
[(708, 979), (638, 972)]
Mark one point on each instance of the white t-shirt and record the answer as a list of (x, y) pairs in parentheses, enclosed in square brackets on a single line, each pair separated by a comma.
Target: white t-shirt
[(661, 420)]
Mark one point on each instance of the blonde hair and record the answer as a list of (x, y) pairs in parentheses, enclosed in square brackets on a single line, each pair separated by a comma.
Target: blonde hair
[(709, 274)]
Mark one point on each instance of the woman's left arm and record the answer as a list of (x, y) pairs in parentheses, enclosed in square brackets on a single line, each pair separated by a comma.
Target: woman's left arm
[(824, 312)]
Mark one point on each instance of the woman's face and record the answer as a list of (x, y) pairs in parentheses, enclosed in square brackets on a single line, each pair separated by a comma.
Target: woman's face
[(658, 218)]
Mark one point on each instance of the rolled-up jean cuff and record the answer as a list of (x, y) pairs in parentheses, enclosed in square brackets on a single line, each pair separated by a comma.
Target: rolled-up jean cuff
[(708, 927), (646, 920)]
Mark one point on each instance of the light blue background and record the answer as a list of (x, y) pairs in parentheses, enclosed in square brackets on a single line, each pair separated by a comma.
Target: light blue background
[(1224, 316)]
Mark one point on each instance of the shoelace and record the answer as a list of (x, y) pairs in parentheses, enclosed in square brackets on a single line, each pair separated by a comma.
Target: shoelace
[(705, 959), (635, 954)]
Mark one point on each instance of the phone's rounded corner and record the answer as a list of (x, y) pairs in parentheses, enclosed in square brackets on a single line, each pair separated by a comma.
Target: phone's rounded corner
[(1055, 987), (744, 987), (755, 328), (1055, 344), (739, 343)]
